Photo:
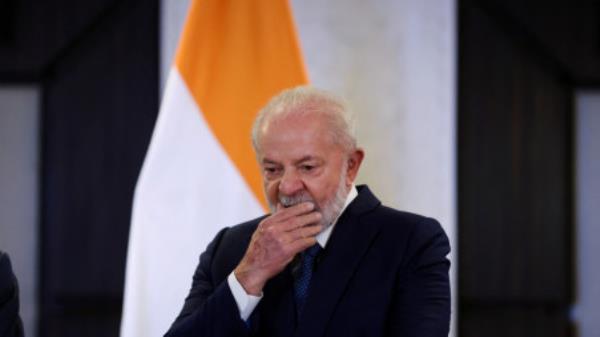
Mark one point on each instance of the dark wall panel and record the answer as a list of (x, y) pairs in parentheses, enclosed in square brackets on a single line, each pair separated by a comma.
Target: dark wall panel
[(509, 321), (100, 103), (33, 33), (514, 183)]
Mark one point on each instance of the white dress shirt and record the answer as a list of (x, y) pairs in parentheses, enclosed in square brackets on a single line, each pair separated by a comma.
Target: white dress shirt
[(246, 302)]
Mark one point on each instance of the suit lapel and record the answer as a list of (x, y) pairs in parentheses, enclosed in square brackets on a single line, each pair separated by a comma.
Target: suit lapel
[(349, 242)]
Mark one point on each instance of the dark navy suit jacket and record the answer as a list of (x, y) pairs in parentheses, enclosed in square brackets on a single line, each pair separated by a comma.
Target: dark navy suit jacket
[(382, 273), (10, 323)]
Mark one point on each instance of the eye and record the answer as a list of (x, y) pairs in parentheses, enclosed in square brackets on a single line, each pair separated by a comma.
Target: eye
[(271, 170), (307, 167)]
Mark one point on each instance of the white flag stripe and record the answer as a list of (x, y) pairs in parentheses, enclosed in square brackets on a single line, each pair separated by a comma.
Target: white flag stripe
[(186, 176)]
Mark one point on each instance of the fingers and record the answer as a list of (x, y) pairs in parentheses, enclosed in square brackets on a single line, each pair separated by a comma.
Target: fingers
[(280, 234), (304, 232), (300, 221), (301, 244), (290, 218), (283, 214), (299, 227), (284, 238), (275, 243)]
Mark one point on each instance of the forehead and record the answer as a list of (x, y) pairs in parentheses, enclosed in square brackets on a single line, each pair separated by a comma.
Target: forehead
[(297, 135)]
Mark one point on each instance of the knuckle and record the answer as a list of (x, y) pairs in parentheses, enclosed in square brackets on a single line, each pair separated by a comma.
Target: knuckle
[(263, 225), (268, 233)]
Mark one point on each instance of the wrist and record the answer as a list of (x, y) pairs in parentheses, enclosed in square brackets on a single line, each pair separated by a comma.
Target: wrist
[(252, 284)]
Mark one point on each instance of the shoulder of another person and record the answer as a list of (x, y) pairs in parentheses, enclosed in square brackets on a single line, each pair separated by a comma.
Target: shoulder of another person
[(5, 267), (7, 282)]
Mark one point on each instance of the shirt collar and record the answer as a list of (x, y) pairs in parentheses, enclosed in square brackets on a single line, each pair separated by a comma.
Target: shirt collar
[(323, 237)]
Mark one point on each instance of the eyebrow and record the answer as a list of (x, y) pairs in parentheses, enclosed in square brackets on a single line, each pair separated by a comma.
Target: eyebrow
[(269, 161), (306, 158), (303, 159)]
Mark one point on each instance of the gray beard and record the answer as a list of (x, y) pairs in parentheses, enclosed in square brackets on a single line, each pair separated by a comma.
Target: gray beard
[(330, 211)]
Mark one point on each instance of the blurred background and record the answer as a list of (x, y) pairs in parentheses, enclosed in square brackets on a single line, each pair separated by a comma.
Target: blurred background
[(484, 114)]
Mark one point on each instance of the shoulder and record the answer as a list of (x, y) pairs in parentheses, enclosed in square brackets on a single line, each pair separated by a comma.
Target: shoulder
[(10, 323), (419, 238), (7, 281), (369, 209), (4, 260), (5, 268), (234, 235), (403, 222), (242, 231), (228, 247), (400, 230)]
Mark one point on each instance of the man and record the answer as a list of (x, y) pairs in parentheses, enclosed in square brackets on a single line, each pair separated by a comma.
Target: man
[(329, 260), (10, 323)]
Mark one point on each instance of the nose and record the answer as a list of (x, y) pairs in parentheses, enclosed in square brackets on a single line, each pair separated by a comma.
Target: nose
[(290, 183)]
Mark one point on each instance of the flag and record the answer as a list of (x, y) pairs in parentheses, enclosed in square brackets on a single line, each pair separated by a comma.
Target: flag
[(200, 172)]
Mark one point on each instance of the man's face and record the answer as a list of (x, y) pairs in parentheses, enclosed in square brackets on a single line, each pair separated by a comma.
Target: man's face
[(300, 162)]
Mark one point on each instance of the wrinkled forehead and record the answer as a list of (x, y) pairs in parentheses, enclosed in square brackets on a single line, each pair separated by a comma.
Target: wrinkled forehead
[(300, 135), (302, 124), (298, 118)]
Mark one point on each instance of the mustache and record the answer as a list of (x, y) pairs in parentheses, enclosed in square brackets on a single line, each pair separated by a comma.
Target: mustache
[(288, 201)]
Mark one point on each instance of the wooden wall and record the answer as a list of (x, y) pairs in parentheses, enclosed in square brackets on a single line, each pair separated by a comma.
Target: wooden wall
[(514, 181)]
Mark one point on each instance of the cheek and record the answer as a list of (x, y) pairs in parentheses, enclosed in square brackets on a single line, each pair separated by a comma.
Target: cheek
[(272, 191), (270, 188), (322, 190)]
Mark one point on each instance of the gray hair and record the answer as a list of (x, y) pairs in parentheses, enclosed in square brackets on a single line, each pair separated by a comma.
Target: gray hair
[(306, 99)]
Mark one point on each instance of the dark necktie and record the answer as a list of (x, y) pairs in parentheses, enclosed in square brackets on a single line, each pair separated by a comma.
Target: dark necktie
[(302, 281)]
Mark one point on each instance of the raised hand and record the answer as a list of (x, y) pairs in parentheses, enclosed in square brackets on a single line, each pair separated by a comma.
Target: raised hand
[(277, 239)]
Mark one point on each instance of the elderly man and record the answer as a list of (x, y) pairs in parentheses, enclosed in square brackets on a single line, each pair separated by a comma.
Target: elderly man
[(329, 260)]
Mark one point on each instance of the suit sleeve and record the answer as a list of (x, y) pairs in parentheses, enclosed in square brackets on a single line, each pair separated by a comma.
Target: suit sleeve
[(10, 322), (209, 309), (422, 300)]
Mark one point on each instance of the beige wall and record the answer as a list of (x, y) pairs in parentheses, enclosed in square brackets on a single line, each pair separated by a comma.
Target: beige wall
[(394, 60)]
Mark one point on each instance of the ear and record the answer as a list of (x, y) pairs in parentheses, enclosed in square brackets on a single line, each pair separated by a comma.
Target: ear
[(354, 160)]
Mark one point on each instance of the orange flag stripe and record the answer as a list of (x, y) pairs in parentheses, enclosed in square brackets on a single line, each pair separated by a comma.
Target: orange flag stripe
[(233, 56)]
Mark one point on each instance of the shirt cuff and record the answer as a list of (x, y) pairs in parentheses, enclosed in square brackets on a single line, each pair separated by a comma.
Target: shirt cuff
[(245, 302)]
